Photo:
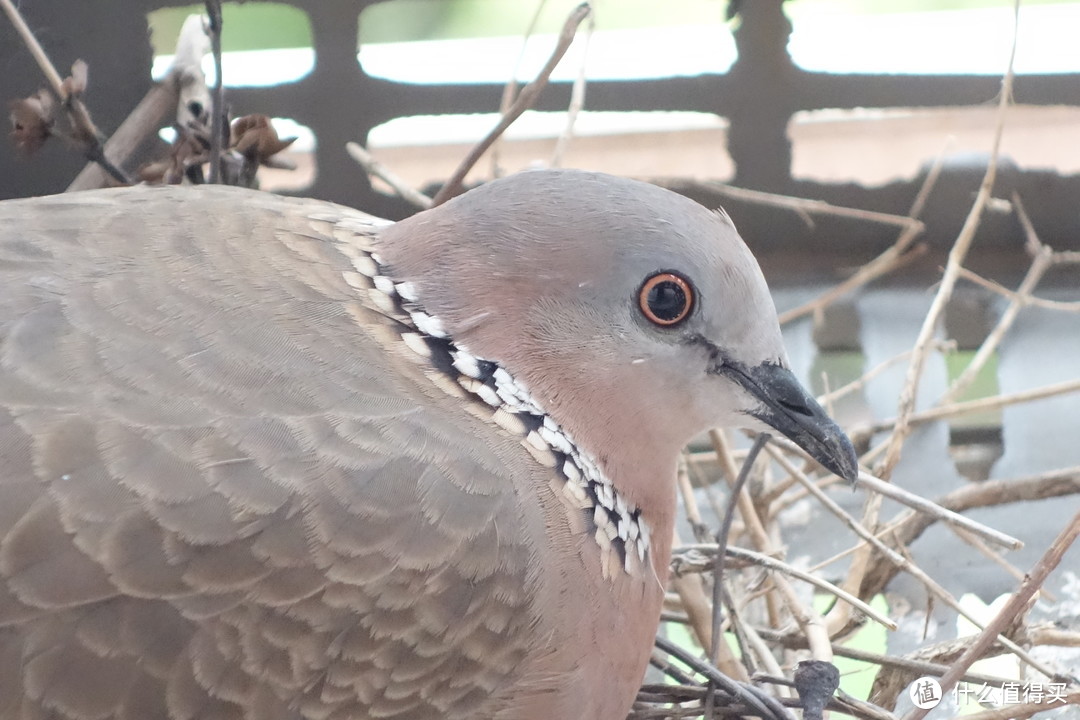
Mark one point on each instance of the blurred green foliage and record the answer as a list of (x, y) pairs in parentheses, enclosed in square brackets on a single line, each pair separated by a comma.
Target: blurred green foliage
[(251, 26), (260, 25)]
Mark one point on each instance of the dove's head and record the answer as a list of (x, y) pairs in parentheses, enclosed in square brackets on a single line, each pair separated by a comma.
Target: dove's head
[(634, 316)]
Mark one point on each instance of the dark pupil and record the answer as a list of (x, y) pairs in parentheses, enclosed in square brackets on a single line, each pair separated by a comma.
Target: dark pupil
[(667, 300)]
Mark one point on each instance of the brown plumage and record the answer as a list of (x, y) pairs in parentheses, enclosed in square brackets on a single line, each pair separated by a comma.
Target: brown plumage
[(270, 458)]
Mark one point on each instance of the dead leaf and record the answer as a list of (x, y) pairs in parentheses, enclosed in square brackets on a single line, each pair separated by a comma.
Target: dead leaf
[(32, 120), (253, 136), (186, 157), (154, 172), (75, 84)]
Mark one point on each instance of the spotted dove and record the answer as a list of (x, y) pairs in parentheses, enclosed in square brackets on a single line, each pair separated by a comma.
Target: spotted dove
[(271, 458)]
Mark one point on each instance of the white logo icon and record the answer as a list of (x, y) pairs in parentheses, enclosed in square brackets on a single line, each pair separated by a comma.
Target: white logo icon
[(925, 693)]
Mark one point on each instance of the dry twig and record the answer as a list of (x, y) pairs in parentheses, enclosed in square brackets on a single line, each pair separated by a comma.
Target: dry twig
[(1024, 300), (510, 90), (577, 96), (911, 524), (1025, 710), (1016, 604), (896, 256), (699, 558), (723, 536), (691, 590), (525, 100), (937, 512), (218, 126), (839, 616), (158, 103), (376, 169), (765, 705), (971, 406), (85, 133), (952, 273)]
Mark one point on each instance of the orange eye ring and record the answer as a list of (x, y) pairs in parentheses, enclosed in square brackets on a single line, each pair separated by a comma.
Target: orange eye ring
[(666, 299)]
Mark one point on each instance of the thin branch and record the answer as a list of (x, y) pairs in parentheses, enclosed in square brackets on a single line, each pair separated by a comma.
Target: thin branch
[(1016, 605), (1047, 634), (911, 524), (995, 557), (982, 404), (525, 100), (218, 127), (690, 504), (957, 409), (42, 60), (859, 708), (858, 529), (511, 88), (765, 705), (952, 272), (920, 667), (839, 612), (750, 639), (1066, 257), (691, 590), (141, 124), (1025, 710), (695, 558), (577, 97), (753, 525), (661, 663), (1039, 264), (86, 133), (723, 537), (893, 258), (1025, 300), (866, 377), (811, 207), (376, 169), (809, 621), (935, 511), (921, 198)]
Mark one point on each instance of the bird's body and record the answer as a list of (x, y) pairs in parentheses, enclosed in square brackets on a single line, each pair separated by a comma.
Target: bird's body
[(264, 458)]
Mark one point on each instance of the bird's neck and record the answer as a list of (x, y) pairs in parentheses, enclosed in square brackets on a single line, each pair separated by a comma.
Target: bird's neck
[(624, 497), (618, 468), (640, 463)]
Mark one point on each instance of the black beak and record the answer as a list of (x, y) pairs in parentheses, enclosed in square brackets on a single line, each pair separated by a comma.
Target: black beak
[(790, 409)]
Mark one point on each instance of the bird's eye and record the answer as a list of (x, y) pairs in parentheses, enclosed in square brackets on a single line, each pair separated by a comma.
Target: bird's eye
[(666, 298)]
